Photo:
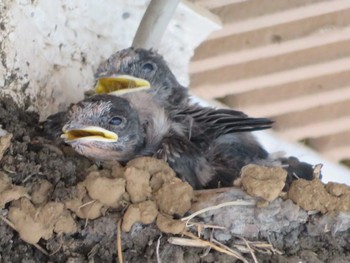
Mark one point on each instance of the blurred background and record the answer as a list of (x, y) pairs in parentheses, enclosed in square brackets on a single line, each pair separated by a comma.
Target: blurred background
[(288, 60)]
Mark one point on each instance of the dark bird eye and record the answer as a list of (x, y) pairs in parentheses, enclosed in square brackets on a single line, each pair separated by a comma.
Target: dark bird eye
[(148, 67), (115, 121)]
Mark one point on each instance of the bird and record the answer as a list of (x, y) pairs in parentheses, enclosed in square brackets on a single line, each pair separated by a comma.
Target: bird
[(148, 66), (133, 70), (214, 143), (108, 127)]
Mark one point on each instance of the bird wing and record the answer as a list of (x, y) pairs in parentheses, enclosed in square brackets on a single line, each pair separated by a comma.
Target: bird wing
[(212, 123), (186, 159)]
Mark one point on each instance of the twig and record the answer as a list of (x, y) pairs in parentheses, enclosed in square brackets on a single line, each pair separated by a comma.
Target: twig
[(87, 215), (250, 249), (28, 177), (232, 203), (59, 247), (206, 252), (231, 250), (202, 225), (119, 241), (86, 221), (258, 246), (157, 249), (317, 171), (87, 203), (225, 250), (10, 224), (93, 251), (181, 241), (199, 230), (8, 170), (41, 249), (296, 176), (274, 250)]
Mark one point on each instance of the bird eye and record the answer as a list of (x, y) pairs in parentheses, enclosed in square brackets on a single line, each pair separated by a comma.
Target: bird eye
[(115, 121), (148, 67)]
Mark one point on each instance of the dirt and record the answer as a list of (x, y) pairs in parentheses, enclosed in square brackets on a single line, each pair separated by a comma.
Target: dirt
[(264, 182), (313, 195), (56, 201)]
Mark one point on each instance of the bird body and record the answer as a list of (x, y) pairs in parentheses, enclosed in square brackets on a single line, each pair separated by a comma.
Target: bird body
[(148, 113), (147, 129)]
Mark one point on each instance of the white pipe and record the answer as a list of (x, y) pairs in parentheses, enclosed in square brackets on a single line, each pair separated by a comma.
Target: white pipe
[(154, 22)]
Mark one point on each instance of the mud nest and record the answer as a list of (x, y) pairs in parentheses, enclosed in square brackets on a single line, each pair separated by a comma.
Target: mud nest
[(57, 206)]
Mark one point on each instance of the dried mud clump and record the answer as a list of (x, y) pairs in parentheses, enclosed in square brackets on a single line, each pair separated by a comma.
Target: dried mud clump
[(168, 225), (100, 191), (264, 182), (174, 197), (153, 187), (314, 195), (137, 184), (82, 204), (33, 223), (144, 212), (108, 191)]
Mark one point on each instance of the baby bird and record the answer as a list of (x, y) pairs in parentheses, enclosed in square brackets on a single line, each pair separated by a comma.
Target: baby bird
[(108, 127), (205, 146)]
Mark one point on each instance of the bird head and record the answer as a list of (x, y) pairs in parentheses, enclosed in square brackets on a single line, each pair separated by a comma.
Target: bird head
[(104, 127), (132, 69)]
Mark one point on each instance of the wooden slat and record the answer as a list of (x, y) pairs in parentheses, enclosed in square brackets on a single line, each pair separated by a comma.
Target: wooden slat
[(215, 90), (302, 103), (288, 16), (252, 9), (305, 87), (289, 47), (326, 128), (282, 62), (288, 60), (329, 143), (338, 154), (275, 34), (321, 113)]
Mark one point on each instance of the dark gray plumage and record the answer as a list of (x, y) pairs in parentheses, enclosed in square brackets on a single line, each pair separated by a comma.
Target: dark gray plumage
[(145, 128), (150, 66), (205, 146), (165, 90), (228, 150)]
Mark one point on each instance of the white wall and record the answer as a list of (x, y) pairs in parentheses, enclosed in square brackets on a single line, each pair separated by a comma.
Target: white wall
[(51, 49)]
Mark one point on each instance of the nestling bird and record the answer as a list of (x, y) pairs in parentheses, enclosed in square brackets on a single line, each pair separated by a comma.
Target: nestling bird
[(149, 67), (133, 70), (206, 147), (108, 127)]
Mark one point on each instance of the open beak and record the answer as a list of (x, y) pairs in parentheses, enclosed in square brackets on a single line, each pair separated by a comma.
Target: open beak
[(90, 133), (120, 84)]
